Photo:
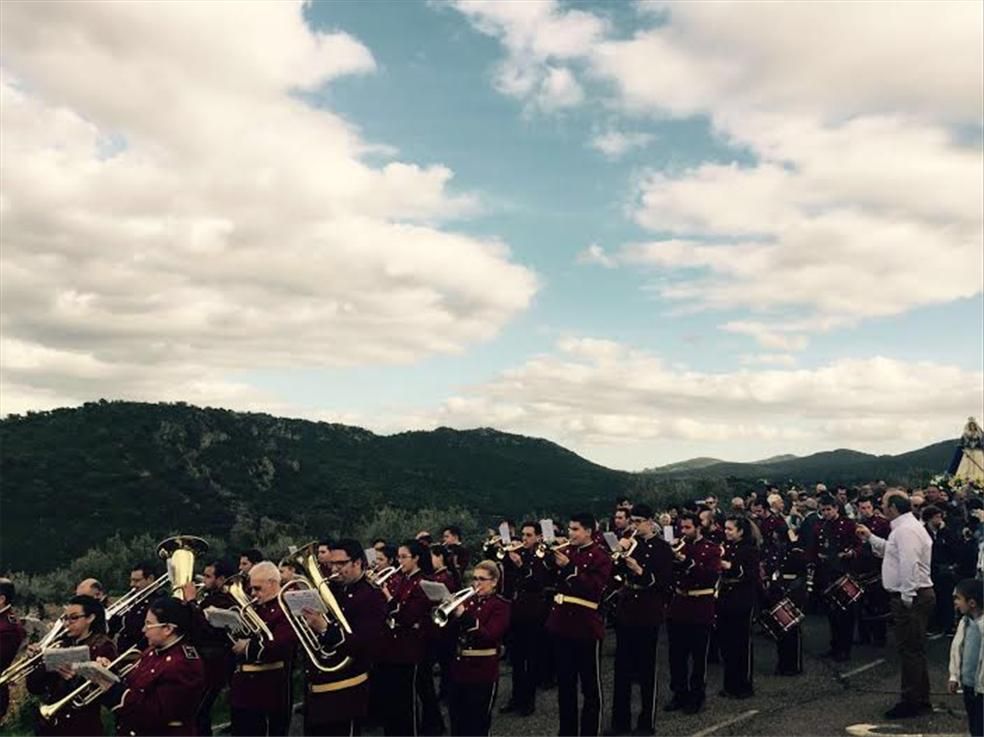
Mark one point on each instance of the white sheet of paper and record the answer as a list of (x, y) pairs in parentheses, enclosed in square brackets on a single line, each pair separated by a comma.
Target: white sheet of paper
[(90, 669), (371, 556), (504, 533), (55, 658), (612, 539), (547, 528), (223, 618), (436, 592), (668, 533), (298, 600)]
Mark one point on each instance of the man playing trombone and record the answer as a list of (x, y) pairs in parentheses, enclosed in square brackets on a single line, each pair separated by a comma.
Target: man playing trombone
[(337, 693), (11, 636), (128, 629), (260, 694)]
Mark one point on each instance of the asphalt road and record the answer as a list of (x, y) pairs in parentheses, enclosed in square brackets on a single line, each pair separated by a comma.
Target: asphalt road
[(827, 699)]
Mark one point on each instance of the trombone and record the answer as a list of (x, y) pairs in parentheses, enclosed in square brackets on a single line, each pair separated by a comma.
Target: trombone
[(27, 664), (442, 614), (134, 597), (325, 660), (89, 691)]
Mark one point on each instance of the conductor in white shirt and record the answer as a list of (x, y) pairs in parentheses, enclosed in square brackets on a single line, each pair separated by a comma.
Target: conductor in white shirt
[(907, 556)]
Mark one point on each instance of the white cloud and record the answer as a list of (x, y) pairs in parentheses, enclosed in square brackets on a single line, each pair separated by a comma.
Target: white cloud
[(600, 397), (595, 254), (768, 359), (171, 210), (559, 89), (614, 144)]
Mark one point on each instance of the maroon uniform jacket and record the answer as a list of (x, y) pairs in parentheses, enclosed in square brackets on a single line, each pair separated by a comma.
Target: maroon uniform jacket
[(432, 631), (404, 640), (528, 581), (262, 676), (769, 523), (695, 581), (343, 695), (52, 687), (714, 535), (643, 598), (740, 584), (580, 586), (835, 550), (160, 696), (11, 636), (868, 565), (212, 643), (480, 630), (786, 575)]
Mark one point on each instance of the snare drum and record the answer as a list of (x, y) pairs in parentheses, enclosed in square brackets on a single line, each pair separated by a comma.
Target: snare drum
[(781, 618), (843, 592)]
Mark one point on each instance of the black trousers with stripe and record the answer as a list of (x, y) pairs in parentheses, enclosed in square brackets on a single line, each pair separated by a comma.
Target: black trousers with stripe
[(688, 643), (470, 705), (397, 684), (735, 636), (635, 662), (577, 662)]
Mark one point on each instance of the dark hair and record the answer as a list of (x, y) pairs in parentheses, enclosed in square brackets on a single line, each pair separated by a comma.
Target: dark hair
[(624, 510), (827, 500), (692, 516), (448, 560), (419, 551), (585, 519), (748, 529), (378, 540), (253, 555), (353, 549), (620, 500), (389, 552), (931, 511), (900, 502), (169, 610), (324, 543), (222, 568), (537, 530), (94, 607), (642, 510), (453, 529), (7, 590), (290, 563), (425, 539), (971, 589), (146, 568)]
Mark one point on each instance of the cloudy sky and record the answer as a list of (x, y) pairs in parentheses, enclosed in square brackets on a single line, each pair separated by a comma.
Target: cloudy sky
[(645, 231)]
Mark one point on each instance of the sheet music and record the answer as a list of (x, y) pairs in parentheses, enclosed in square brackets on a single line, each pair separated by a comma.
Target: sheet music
[(298, 600), (370, 556), (668, 534), (612, 539), (436, 592), (57, 657), (93, 670), (223, 618), (547, 528), (504, 533)]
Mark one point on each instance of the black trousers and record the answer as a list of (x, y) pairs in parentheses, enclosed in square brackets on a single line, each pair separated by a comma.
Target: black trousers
[(399, 702), (789, 652), (431, 720), (841, 628), (873, 615), (470, 706), (635, 662), (735, 638), (526, 637), (251, 722), (203, 719), (352, 727), (577, 661), (688, 660), (974, 704)]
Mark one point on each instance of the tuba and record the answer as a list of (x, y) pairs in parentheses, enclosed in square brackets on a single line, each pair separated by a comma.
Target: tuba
[(442, 614), (323, 659), (179, 552)]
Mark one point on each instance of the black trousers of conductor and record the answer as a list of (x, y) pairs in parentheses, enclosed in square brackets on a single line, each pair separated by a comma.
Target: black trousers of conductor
[(577, 661), (249, 722), (688, 660), (470, 706), (635, 662), (526, 638), (397, 684), (735, 637)]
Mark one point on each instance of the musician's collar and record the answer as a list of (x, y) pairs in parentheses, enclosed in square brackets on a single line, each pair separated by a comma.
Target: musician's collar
[(5, 609), (168, 645), (442, 568)]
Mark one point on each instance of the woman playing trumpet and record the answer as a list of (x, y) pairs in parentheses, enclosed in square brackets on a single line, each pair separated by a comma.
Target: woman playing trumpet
[(85, 624), (480, 625)]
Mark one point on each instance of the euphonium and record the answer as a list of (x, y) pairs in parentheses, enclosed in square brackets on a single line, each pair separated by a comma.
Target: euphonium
[(89, 691), (323, 659), (442, 614), (252, 622), (179, 552)]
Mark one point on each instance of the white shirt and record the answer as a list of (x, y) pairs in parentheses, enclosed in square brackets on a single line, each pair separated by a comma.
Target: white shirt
[(908, 553)]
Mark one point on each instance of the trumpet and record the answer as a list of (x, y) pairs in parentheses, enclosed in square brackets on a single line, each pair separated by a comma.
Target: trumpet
[(88, 692), (622, 554), (505, 550), (380, 577), (250, 621), (322, 658), (442, 614), (29, 663), (544, 548)]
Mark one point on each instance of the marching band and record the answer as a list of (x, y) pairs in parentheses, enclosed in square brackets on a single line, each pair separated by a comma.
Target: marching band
[(368, 634)]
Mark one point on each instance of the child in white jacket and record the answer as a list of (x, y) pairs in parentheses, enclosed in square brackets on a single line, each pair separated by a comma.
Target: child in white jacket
[(967, 652)]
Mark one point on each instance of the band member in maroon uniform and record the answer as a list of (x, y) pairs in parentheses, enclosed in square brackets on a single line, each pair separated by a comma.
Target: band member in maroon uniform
[(480, 625), (648, 575), (785, 572), (835, 550), (338, 701), (129, 629), (212, 643), (526, 574), (85, 624), (403, 646), (581, 572), (260, 695), (11, 636), (451, 539), (440, 648), (874, 610), (697, 566), (160, 695), (736, 605)]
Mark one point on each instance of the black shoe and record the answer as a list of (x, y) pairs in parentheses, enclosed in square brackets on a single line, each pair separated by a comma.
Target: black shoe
[(674, 704), (508, 708), (525, 711), (694, 706), (617, 731), (644, 730), (744, 694), (725, 694), (828, 654), (906, 710)]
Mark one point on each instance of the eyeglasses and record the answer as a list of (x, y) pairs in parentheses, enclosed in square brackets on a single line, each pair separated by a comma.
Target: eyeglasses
[(73, 617), (155, 626), (340, 563)]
